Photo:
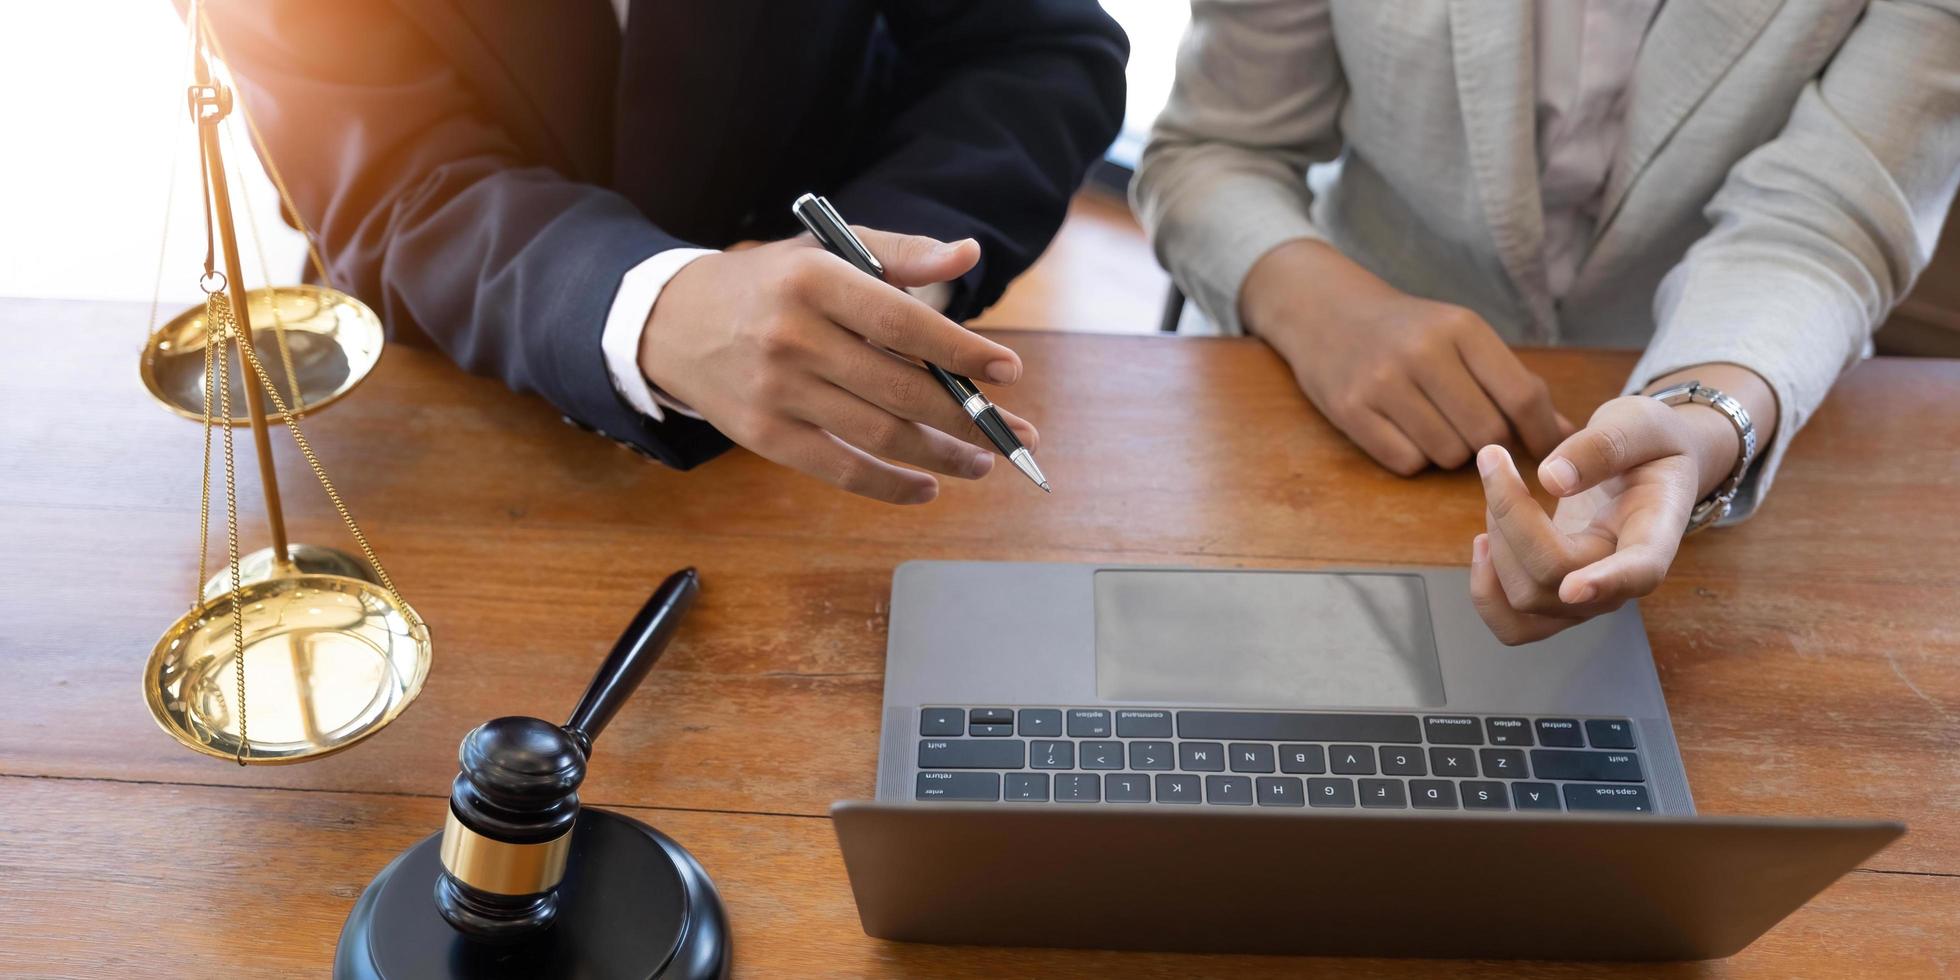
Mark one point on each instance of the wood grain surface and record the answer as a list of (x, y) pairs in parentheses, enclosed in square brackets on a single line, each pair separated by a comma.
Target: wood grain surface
[(1811, 657)]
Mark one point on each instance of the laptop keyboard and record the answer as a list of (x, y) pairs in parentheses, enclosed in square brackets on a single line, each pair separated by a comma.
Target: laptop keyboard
[(1279, 759)]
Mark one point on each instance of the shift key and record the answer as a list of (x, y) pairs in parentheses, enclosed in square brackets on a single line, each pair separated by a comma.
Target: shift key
[(983, 787), (978, 753), (1617, 767)]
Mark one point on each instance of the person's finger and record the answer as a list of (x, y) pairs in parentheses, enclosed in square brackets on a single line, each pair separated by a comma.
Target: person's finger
[(1522, 395), (1510, 626), (1406, 406), (1517, 518), (1382, 440), (808, 449), (1023, 429), (904, 389), (896, 321), (1625, 433), (915, 260), (881, 433), (1649, 537), (1463, 402)]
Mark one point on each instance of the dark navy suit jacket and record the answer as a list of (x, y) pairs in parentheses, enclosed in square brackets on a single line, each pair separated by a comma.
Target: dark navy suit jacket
[(484, 171)]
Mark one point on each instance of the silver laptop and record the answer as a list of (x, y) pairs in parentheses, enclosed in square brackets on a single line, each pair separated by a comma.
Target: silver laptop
[(1330, 761), (1080, 685)]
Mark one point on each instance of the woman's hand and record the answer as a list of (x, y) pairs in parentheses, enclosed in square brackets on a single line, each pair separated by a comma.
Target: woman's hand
[(1411, 381), (1626, 484)]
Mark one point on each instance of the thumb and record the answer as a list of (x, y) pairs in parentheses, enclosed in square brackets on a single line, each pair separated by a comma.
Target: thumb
[(915, 260), (1623, 434)]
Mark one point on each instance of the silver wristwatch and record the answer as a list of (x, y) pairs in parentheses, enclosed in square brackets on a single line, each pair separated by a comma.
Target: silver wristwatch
[(1716, 505)]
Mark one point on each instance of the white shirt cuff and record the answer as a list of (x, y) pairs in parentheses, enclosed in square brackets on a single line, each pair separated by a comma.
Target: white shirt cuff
[(632, 305), (639, 289)]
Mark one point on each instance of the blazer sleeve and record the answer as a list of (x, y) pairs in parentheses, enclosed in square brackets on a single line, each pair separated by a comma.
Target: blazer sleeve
[(999, 109), (1819, 232), (425, 207), (1256, 101)]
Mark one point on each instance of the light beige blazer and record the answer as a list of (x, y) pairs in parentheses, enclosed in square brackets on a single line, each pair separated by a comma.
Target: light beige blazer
[(1784, 172)]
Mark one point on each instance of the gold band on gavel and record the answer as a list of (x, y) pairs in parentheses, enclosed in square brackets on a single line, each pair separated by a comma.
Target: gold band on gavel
[(499, 868)]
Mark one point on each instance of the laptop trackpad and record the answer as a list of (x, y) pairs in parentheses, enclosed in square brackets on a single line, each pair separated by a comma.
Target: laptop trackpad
[(1265, 639)]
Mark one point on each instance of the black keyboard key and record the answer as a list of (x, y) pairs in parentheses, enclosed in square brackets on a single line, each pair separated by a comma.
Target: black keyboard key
[(991, 716), (1088, 723), (1534, 796), (1610, 733), (1126, 787), (1508, 731), (1143, 724), (1432, 794), (1561, 732), (1452, 730), (1177, 788), (1251, 757), (1277, 726), (966, 754), (1302, 759), (1503, 763), (942, 721), (1281, 791), (959, 786), (1352, 760), (1041, 723), (989, 730), (1397, 761), (1384, 794), (1201, 756), (1152, 756), (1102, 755), (1330, 792), (1051, 755), (1026, 787), (1452, 762), (1611, 767), (1228, 790), (1078, 787), (1629, 799), (1484, 795)]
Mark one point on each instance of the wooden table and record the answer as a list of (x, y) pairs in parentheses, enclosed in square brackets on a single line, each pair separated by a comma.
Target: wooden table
[(1811, 657)]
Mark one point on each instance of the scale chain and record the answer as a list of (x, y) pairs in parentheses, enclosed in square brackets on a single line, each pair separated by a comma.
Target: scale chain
[(251, 357), (272, 292), (210, 394), (219, 323)]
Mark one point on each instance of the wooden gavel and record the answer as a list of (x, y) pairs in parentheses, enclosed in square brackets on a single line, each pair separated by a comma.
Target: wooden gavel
[(513, 806)]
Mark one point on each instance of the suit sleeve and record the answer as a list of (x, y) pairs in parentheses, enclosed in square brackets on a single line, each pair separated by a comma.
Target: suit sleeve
[(426, 208), (1256, 101), (999, 109), (1819, 232)]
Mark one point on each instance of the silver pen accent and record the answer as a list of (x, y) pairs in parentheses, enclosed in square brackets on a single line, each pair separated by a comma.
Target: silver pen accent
[(1024, 461)]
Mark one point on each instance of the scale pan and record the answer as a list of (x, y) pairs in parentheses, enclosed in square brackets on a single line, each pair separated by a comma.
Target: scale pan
[(334, 340), (303, 559), (328, 662)]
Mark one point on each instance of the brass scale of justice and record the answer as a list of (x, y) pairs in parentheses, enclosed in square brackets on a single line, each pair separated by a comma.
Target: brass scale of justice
[(522, 882), (322, 641)]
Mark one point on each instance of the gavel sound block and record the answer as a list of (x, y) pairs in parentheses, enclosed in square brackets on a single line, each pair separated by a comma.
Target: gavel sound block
[(522, 882)]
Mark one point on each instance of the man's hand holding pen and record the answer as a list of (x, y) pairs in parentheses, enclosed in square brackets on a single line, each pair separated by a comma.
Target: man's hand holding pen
[(779, 346)]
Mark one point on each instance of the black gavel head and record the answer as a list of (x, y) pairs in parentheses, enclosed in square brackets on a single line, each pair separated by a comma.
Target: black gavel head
[(512, 807), (511, 811)]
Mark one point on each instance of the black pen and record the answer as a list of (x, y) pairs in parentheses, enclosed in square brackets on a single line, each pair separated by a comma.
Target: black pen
[(830, 230)]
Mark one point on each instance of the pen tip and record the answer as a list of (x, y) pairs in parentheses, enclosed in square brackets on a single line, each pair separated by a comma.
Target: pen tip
[(1045, 488)]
